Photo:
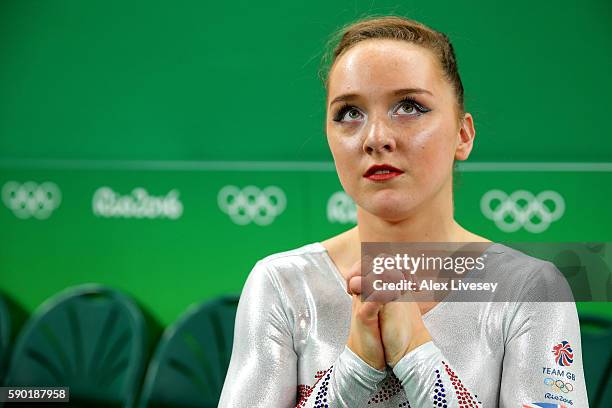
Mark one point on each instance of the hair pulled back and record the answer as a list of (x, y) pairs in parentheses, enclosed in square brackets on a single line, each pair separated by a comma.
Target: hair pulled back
[(395, 28)]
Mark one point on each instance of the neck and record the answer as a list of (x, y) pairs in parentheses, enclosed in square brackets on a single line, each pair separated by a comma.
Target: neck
[(430, 222), (413, 229)]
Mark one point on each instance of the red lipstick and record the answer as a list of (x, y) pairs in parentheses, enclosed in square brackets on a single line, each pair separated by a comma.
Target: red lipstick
[(382, 172)]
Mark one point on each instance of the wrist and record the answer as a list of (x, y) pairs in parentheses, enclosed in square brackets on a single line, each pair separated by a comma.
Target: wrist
[(421, 338), (418, 339), (371, 363)]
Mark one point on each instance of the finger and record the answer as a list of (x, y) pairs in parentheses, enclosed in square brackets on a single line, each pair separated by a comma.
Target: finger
[(381, 288), (354, 285), (379, 296), (369, 310), (354, 270)]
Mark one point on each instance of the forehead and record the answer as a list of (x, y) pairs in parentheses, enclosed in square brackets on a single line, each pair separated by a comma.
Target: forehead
[(384, 65)]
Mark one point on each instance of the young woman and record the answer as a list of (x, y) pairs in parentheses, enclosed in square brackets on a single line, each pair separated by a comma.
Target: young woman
[(395, 126)]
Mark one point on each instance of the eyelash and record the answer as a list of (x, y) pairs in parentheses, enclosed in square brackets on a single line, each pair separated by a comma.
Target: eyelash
[(346, 108)]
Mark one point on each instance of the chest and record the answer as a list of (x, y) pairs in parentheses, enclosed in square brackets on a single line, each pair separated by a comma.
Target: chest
[(469, 335)]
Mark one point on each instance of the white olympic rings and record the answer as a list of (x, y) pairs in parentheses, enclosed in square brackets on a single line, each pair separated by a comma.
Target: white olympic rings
[(511, 212), (31, 199), (252, 204)]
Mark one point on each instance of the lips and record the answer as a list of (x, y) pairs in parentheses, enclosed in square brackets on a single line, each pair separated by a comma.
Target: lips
[(379, 172)]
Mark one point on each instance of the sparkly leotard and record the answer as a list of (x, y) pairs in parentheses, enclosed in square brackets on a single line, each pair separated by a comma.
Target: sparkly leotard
[(294, 317)]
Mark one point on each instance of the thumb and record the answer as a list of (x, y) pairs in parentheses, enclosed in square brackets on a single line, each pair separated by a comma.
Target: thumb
[(369, 310)]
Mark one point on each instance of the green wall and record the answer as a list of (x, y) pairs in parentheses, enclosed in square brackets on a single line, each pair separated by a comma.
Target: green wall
[(186, 98)]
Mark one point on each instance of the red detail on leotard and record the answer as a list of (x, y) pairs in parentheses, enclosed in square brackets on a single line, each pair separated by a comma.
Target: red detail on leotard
[(463, 396)]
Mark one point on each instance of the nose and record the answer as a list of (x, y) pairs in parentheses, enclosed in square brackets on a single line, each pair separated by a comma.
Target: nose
[(378, 138)]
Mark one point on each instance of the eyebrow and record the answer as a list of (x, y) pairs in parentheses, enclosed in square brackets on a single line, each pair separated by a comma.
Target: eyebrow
[(397, 92)]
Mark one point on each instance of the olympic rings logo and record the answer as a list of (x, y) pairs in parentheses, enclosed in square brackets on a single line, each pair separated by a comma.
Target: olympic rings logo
[(522, 209), (31, 199), (559, 385), (251, 204), (341, 208)]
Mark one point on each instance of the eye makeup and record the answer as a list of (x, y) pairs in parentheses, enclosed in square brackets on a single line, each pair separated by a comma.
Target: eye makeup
[(407, 100)]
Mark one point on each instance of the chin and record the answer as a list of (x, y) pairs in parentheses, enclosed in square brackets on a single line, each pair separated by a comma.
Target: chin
[(390, 206)]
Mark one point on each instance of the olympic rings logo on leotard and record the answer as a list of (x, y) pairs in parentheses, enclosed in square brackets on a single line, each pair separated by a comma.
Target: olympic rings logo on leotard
[(31, 199), (521, 208), (252, 204), (559, 385), (341, 208)]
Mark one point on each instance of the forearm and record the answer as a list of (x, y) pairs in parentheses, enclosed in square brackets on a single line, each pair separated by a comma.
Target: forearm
[(427, 378), (349, 382)]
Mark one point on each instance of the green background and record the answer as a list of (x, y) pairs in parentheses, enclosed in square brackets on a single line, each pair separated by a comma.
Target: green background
[(193, 96)]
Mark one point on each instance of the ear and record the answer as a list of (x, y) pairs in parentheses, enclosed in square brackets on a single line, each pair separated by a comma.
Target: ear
[(465, 138)]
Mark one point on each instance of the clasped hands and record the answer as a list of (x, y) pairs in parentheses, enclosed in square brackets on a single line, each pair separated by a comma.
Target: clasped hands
[(383, 330)]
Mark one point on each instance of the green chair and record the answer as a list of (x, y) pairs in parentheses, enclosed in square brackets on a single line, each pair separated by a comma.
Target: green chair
[(596, 335), (605, 396), (90, 338), (190, 362), (5, 336)]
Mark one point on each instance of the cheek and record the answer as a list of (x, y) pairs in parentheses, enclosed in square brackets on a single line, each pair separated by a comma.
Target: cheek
[(429, 152), (432, 145), (345, 149)]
